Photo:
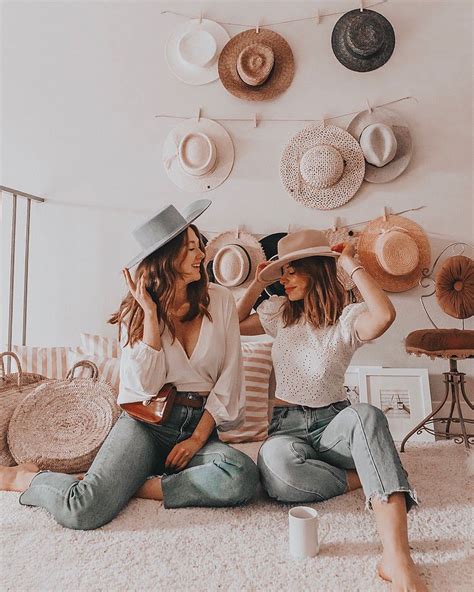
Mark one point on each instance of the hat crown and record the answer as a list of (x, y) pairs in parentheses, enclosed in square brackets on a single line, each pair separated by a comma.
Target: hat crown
[(197, 47), (197, 153), (160, 226), (397, 252), (255, 63), (301, 240), (231, 265), (364, 35), (322, 166), (378, 143)]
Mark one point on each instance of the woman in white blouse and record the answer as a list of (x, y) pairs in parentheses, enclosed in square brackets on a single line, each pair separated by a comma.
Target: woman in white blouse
[(176, 328), (320, 446)]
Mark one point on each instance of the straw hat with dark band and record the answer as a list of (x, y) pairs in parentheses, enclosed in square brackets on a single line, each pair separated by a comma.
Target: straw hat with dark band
[(256, 66), (394, 251)]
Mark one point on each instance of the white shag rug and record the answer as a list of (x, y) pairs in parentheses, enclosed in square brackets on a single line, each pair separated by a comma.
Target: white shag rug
[(246, 548)]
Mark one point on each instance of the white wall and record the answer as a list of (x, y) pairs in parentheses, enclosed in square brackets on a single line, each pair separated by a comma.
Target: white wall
[(82, 83)]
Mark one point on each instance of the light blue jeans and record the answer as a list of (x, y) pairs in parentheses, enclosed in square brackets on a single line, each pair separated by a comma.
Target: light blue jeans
[(218, 475), (310, 449)]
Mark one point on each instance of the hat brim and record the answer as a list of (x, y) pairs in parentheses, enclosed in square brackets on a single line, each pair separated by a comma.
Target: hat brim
[(280, 77), (339, 193), (185, 72), (190, 213), (368, 258), (348, 59), (401, 131), (273, 271), (224, 149)]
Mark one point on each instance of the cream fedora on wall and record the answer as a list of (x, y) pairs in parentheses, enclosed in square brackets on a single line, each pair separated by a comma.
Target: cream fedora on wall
[(322, 167), (395, 252), (193, 48), (198, 155), (385, 141), (294, 246)]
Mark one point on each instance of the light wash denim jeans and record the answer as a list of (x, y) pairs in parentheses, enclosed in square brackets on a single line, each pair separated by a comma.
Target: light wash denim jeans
[(310, 450), (218, 475)]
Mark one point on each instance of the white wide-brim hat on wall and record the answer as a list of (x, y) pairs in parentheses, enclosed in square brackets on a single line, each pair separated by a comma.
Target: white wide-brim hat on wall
[(322, 167), (386, 142), (235, 255), (395, 252), (198, 155), (193, 48)]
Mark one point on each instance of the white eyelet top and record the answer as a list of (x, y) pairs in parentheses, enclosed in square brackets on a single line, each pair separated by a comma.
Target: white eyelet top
[(215, 365), (310, 363)]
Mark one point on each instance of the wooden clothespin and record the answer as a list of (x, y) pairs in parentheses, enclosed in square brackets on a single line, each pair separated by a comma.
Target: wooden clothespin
[(334, 224), (257, 27), (317, 18), (323, 122), (369, 106), (237, 232), (198, 116), (361, 5), (385, 213), (200, 17), (255, 120)]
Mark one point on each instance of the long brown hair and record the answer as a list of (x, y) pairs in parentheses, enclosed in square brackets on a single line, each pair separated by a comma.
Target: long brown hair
[(161, 274), (324, 298)]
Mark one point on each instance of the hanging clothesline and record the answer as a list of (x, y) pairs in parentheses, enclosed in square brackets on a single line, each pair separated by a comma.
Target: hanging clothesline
[(317, 17), (257, 119)]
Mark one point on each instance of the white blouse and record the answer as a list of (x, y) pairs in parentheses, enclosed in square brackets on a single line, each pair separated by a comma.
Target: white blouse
[(310, 363), (215, 364)]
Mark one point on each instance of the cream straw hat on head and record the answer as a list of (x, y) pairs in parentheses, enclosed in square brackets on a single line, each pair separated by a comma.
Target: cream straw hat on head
[(193, 48), (395, 252), (322, 167), (294, 246), (386, 142), (198, 155), (235, 255)]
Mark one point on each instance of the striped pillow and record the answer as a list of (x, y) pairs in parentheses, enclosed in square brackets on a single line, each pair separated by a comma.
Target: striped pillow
[(257, 367), (48, 361), (104, 347), (109, 368)]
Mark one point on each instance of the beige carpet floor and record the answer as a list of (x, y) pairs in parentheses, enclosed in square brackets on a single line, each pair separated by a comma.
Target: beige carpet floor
[(243, 549)]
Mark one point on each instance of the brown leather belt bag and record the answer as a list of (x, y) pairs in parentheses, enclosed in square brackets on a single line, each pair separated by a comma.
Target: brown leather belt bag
[(155, 410)]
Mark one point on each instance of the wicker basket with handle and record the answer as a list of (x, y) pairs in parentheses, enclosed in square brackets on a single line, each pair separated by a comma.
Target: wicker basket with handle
[(14, 388), (61, 425)]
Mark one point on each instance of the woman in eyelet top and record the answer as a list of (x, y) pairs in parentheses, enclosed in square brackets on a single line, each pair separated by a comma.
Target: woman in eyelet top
[(179, 330), (320, 446)]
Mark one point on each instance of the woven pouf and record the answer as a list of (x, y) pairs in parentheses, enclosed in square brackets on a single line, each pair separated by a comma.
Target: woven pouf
[(61, 425), (14, 388)]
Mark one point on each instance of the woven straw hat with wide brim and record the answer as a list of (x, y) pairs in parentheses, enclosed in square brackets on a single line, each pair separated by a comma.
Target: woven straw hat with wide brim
[(62, 424), (363, 40), (400, 129), (248, 243), (280, 76), (328, 147), (367, 251), (193, 48), (186, 145)]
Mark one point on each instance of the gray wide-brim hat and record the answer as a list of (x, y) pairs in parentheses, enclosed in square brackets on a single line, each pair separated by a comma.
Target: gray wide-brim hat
[(400, 129), (164, 226), (363, 40)]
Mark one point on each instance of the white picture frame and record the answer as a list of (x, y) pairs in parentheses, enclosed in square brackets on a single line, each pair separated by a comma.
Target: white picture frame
[(404, 396), (352, 382)]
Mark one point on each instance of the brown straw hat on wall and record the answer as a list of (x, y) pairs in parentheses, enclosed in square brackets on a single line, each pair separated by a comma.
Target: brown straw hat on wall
[(256, 66), (394, 251)]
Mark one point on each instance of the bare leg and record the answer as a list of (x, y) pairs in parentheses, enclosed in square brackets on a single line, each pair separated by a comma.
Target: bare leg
[(353, 480), (151, 489), (17, 478), (396, 565)]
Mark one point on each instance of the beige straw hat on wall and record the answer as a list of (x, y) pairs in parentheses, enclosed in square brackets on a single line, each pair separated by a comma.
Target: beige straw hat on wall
[(394, 251)]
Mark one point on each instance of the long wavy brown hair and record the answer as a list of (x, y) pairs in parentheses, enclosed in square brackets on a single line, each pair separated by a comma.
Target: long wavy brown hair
[(161, 271), (324, 298)]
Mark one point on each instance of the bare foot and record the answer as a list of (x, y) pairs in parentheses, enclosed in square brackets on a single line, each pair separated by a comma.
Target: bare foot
[(17, 478), (151, 489), (402, 574)]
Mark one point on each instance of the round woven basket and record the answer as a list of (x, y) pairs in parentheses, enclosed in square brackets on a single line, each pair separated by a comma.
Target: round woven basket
[(61, 425), (14, 388)]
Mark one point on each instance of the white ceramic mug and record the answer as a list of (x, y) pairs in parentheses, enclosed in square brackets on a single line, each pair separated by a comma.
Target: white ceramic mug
[(303, 532)]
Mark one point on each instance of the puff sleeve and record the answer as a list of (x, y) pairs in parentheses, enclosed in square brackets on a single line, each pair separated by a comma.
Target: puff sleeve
[(269, 314), (347, 322), (226, 401)]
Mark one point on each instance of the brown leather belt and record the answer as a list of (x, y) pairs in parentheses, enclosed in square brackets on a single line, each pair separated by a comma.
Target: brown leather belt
[(190, 400), (280, 403)]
